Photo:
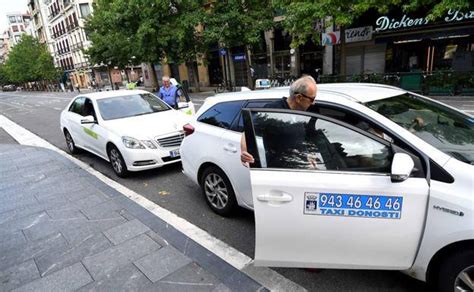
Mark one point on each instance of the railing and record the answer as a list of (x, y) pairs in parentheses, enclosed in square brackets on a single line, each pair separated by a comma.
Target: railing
[(77, 46), (430, 83)]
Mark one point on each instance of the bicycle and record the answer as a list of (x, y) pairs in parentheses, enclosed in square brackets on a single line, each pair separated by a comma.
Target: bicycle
[(225, 86)]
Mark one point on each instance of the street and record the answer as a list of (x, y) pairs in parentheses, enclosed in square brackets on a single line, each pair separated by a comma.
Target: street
[(39, 113)]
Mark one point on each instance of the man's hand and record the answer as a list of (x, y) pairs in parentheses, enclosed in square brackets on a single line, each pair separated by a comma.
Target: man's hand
[(246, 158)]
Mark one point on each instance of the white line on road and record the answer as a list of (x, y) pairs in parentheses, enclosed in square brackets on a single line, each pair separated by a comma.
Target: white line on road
[(265, 276), (58, 109)]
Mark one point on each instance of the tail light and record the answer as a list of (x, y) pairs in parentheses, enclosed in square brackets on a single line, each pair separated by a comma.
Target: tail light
[(188, 129)]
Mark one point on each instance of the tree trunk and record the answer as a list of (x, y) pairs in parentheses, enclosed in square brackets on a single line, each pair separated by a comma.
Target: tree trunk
[(154, 79), (110, 78), (249, 64), (343, 51)]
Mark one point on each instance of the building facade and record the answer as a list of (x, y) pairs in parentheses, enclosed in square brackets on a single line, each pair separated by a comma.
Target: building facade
[(68, 39)]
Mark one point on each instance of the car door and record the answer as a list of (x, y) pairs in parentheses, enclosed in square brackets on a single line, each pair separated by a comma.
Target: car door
[(95, 135), (73, 118), (231, 144), (323, 195)]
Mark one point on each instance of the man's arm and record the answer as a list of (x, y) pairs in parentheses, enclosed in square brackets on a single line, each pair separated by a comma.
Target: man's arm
[(245, 157)]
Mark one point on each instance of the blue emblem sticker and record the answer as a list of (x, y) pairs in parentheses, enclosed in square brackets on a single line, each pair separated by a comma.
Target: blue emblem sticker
[(352, 205)]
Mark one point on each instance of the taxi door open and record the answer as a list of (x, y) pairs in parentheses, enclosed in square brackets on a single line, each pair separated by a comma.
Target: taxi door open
[(325, 194)]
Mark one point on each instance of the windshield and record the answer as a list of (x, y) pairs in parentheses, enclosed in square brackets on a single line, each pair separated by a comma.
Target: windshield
[(448, 130), (130, 106)]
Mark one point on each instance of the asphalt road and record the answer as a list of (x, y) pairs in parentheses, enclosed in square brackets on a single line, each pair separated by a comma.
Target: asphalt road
[(39, 112)]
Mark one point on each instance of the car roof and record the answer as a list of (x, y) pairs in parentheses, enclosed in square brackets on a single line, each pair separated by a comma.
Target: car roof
[(357, 92), (112, 93)]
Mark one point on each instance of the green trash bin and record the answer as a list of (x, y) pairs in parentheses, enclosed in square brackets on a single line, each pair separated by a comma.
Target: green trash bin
[(412, 82)]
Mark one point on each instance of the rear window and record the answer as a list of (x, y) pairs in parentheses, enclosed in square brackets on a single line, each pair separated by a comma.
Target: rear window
[(221, 115)]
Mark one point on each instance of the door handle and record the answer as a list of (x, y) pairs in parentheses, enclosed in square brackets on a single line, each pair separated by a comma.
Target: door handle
[(280, 197), (230, 148)]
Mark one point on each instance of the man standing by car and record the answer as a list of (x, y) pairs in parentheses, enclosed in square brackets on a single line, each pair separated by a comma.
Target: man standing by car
[(302, 95), (169, 93)]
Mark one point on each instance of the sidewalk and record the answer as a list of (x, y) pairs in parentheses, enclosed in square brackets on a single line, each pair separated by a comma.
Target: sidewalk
[(62, 229)]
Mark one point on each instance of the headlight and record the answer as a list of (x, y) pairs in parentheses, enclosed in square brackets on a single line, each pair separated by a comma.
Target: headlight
[(132, 143), (148, 144)]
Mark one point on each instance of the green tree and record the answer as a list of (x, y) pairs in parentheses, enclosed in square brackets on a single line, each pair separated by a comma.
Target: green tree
[(237, 22), (30, 61), (300, 15), (147, 31)]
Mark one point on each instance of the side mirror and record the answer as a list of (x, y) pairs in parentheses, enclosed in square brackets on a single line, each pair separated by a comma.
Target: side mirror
[(88, 120), (402, 166)]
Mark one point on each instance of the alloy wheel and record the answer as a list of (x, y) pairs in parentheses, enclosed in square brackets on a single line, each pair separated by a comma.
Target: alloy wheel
[(465, 280), (69, 142), (116, 160), (216, 191)]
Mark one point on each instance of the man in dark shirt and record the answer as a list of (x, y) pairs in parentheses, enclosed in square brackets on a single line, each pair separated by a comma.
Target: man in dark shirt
[(302, 95)]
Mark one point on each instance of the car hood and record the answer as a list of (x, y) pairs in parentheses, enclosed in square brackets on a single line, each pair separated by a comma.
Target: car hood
[(148, 126)]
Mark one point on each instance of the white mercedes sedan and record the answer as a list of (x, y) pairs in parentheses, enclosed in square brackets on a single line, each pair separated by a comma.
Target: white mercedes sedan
[(133, 130)]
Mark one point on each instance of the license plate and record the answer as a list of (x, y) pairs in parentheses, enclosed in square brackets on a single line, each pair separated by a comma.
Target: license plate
[(174, 153), (349, 205)]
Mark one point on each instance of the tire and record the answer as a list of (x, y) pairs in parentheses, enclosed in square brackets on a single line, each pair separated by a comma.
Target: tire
[(71, 146), (117, 162), (453, 269), (217, 191)]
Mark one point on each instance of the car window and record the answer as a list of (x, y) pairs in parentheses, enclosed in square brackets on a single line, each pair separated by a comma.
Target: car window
[(130, 105), (77, 106), (446, 129), (222, 114), (238, 124), (88, 109), (295, 141)]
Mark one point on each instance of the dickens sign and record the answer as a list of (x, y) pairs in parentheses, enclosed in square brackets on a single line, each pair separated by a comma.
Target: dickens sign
[(384, 23)]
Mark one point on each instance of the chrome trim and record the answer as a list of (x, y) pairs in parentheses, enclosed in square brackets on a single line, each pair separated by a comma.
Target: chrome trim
[(321, 171)]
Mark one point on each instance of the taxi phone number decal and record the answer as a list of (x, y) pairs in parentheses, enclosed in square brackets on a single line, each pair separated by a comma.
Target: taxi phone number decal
[(368, 206)]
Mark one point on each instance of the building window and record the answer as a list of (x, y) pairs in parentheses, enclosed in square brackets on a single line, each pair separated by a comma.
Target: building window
[(12, 19), (15, 28), (85, 10)]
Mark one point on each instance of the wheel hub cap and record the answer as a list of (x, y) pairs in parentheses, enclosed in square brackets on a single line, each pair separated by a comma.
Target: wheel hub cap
[(465, 280), (216, 191)]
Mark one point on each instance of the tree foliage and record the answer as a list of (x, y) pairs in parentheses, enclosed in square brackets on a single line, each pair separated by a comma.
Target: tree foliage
[(301, 15), (29, 61), (237, 22), (147, 30)]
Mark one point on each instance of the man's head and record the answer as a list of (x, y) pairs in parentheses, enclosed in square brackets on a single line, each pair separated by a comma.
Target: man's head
[(302, 93), (166, 81)]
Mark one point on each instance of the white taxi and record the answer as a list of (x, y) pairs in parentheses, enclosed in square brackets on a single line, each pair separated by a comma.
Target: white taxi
[(374, 177), (134, 130)]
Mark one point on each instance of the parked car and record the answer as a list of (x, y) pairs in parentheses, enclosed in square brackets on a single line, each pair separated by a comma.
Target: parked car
[(9, 87), (132, 129), (375, 177)]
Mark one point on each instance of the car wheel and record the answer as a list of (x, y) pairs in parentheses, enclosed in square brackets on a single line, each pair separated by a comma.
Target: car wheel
[(456, 273), (71, 146), (117, 162), (218, 191)]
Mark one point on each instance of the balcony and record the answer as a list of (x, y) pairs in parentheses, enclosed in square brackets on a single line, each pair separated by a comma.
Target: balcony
[(72, 26), (76, 47), (82, 65)]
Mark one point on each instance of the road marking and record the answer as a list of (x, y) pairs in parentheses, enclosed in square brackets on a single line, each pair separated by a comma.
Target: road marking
[(58, 109), (265, 276)]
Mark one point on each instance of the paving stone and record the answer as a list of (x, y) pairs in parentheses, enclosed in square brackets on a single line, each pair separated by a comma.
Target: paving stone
[(16, 255), (67, 279), (65, 214), (189, 278), (158, 239), (161, 263), (89, 201), (221, 288), (51, 262), (18, 275), (107, 209), (125, 231), (126, 278), (110, 259), (24, 222), (15, 239), (77, 232)]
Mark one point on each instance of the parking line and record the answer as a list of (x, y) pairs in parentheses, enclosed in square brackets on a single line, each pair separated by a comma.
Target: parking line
[(265, 276)]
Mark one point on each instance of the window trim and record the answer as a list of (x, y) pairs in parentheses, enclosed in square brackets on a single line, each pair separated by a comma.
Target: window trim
[(252, 144), (248, 101), (219, 103), (72, 104)]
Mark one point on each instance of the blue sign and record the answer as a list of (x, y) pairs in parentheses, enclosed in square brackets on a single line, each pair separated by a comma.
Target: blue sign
[(239, 57), (222, 52)]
